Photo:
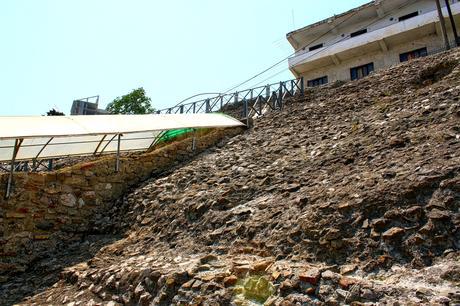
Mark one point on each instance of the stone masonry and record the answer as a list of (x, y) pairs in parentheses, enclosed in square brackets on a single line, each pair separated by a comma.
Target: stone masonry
[(49, 209)]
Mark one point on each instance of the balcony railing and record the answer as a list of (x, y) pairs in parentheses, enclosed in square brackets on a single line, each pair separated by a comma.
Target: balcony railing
[(374, 34)]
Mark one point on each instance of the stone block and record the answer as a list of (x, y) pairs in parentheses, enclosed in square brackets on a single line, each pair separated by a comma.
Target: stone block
[(68, 200), (41, 237), (75, 180), (311, 276), (16, 215), (44, 225)]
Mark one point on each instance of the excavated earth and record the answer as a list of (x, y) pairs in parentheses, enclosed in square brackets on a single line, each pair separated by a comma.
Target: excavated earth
[(349, 195)]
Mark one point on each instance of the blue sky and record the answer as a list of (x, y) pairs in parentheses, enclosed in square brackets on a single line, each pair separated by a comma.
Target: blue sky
[(54, 51)]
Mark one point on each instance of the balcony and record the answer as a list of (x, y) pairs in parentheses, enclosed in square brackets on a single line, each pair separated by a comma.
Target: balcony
[(378, 40)]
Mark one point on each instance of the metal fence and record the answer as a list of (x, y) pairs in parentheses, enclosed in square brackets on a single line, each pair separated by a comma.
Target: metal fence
[(243, 104), (253, 102), (26, 166), (452, 45)]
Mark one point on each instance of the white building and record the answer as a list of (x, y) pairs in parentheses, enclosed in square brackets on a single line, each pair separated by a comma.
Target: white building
[(371, 37)]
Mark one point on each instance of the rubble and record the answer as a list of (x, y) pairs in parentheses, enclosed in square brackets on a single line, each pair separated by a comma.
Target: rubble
[(347, 196)]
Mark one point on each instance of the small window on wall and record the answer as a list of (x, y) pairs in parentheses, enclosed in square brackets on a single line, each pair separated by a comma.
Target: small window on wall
[(357, 33), (408, 16), (361, 71), (404, 57), (317, 82), (315, 47)]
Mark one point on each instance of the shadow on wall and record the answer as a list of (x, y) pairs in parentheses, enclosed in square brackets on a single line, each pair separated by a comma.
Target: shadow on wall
[(48, 215), (47, 268)]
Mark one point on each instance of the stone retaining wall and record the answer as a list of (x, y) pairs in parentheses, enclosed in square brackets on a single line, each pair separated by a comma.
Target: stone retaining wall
[(48, 210)]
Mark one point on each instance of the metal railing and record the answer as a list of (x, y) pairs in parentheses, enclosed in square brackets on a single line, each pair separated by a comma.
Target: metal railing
[(452, 45), (243, 104)]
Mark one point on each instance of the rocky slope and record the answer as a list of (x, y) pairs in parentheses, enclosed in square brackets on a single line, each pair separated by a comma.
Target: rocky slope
[(350, 195)]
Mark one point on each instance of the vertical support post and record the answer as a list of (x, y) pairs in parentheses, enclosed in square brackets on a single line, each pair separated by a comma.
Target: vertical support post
[(17, 145), (50, 164), (207, 106), (194, 141), (245, 110), (258, 99), (251, 99), (194, 107), (280, 95), (267, 91), (452, 23), (117, 164), (182, 109), (443, 25), (302, 88), (221, 102), (235, 98)]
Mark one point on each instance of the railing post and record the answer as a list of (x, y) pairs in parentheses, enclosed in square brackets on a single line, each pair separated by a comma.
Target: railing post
[(221, 102), (235, 98), (182, 109), (207, 106), (280, 95), (117, 163), (17, 145), (245, 111), (194, 107), (267, 91), (194, 141), (302, 89)]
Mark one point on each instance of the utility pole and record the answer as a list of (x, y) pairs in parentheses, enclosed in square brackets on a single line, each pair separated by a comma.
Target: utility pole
[(452, 23), (443, 25)]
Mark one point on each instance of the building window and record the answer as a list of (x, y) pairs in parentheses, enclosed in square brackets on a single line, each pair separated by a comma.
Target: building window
[(315, 47), (357, 33), (404, 57), (408, 16), (361, 71), (317, 82)]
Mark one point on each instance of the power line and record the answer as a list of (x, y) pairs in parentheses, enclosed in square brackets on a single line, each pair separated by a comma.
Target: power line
[(284, 69), (287, 57), (319, 37)]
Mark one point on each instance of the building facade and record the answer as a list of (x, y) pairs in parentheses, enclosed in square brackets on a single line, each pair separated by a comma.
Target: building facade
[(377, 35), (87, 106)]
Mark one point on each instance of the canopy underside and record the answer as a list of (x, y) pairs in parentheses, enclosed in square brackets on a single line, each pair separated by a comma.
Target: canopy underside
[(51, 137)]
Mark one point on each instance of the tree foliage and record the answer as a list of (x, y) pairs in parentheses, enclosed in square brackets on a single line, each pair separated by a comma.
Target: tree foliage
[(136, 102), (53, 112)]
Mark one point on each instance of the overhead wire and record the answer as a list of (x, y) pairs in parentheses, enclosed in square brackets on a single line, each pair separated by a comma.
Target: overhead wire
[(293, 53), (303, 48), (311, 42)]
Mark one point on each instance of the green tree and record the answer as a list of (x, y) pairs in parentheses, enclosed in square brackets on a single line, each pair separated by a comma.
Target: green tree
[(136, 102), (53, 112)]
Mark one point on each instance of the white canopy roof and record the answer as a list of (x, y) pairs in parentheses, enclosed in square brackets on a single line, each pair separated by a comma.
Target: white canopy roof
[(57, 136)]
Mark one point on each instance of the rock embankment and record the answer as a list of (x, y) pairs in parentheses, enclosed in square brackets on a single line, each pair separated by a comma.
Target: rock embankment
[(350, 195)]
